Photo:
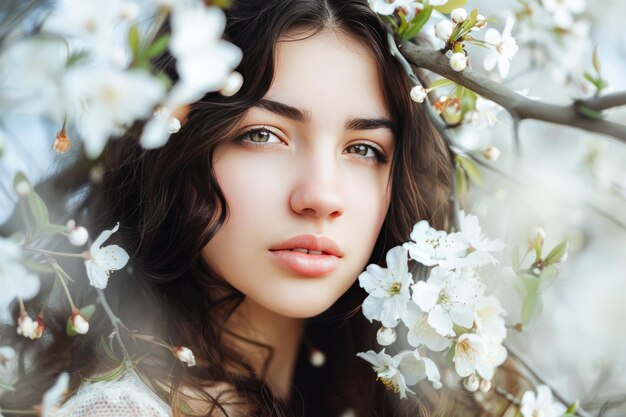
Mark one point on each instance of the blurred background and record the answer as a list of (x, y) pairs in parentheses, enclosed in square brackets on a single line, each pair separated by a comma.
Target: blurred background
[(569, 182)]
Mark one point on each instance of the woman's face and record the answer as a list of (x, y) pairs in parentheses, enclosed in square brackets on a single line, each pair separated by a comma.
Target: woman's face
[(307, 180)]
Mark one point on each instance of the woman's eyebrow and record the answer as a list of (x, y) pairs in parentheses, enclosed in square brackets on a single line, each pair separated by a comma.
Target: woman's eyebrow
[(299, 115)]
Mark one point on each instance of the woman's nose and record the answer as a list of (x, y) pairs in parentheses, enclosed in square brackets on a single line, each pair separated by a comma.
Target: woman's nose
[(317, 189)]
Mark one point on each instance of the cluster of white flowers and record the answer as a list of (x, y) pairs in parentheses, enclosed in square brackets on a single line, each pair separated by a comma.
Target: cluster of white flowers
[(447, 311), (84, 75)]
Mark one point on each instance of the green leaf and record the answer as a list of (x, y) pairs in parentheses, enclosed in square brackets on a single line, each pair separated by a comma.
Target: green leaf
[(39, 209), (557, 253), (70, 329), (157, 47), (532, 304), (572, 408), (461, 181), (472, 170), (450, 5), (114, 373), (76, 58), (108, 350), (36, 266), (547, 277), (450, 354), (589, 112), (442, 82), (596, 60), (134, 40), (88, 311), (416, 25), (53, 228)]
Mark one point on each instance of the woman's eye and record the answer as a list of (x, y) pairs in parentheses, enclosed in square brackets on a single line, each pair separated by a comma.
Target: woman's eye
[(365, 151), (260, 136)]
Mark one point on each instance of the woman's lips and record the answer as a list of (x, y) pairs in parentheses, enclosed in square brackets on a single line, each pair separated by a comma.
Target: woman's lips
[(307, 255)]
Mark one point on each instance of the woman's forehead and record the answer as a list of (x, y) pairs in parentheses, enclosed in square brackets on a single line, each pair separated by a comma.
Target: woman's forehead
[(328, 74)]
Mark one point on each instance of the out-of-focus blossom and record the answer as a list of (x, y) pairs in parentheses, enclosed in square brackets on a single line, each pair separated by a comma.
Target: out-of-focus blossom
[(415, 368), (471, 383), (184, 355), (388, 288), (542, 404), (485, 115), (53, 397), (108, 101), (505, 48), (443, 30), (489, 318), (203, 60), (388, 7), (104, 259), (159, 128), (563, 10), (15, 279)]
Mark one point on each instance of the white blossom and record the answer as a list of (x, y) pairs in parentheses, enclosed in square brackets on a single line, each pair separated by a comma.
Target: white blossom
[(387, 370), (542, 404), (109, 100), (444, 29), (485, 114), (184, 355), (480, 247), (53, 397), (388, 288), (492, 153), (422, 333), (433, 247), (388, 7), (489, 318), (232, 85), (15, 279), (474, 353), (505, 48), (563, 10), (104, 259), (448, 297), (458, 61), (30, 77), (203, 60), (416, 368), (78, 236)]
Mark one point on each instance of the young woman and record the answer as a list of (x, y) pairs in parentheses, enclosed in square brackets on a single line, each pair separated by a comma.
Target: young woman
[(247, 231)]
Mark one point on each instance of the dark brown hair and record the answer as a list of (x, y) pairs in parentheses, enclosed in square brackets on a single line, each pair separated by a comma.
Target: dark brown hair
[(169, 205)]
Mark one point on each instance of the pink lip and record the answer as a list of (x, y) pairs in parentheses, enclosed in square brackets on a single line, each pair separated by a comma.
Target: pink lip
[(309, 265)]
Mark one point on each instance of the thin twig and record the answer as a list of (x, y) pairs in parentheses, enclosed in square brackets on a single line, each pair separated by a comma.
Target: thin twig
[(114, 321), (539, 377), (605, 102)]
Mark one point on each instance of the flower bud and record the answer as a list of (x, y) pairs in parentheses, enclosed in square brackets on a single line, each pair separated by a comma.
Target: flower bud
[(386, 336), (61, 142), (458, 61), (458, 15), (40, 327), (78, 236), (79, 322), (26, 326), (418, 94), (232, 85), (23, 188), (484, 385), (443, 30), (317, 358), (537, 233), (471, 383), (450, 109), (492, 153), (481, 22), (184, 355)]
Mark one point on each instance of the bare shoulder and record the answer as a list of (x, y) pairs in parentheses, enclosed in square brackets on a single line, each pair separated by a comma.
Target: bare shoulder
[(126, 396)]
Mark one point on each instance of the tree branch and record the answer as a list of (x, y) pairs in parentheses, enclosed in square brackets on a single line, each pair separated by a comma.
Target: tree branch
[(605, 102), (518, 106)]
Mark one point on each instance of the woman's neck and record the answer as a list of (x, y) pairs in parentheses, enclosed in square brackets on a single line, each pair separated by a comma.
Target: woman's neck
[(282, 334)]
